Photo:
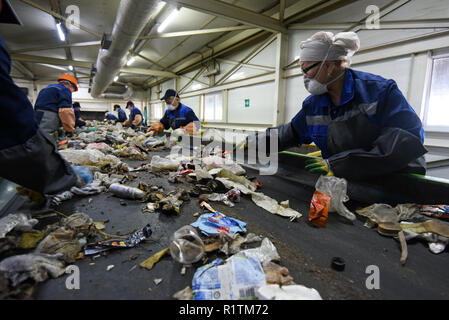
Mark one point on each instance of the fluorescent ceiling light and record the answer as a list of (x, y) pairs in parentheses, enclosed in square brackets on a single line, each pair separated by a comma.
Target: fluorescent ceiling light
[(116, 78), (71, 68), (167, 21), (131, 61), (197, 86), (60, 31)]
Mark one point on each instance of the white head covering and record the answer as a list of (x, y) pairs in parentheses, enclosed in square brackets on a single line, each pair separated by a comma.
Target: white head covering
[(342, 46)]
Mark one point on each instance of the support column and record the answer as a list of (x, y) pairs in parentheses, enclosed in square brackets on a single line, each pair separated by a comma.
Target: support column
[(279, 82)]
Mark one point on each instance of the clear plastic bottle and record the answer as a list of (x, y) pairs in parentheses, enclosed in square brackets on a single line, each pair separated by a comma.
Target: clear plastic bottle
[(186, 246), (123, 191)]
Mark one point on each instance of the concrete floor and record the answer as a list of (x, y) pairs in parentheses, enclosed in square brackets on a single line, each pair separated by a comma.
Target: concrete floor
[(305, 250)]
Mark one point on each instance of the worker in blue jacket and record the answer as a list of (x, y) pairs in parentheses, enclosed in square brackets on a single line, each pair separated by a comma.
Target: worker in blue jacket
[(176, 116), (135, 116), (28, 156), (121, 113), (361, 122), (54, 106), (79, 122)]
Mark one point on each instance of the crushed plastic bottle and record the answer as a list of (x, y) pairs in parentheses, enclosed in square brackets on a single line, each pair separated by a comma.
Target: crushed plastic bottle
[(186, 246), (124, 191)]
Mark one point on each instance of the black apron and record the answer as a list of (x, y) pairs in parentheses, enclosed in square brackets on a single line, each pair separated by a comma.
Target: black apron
[(359, 150)]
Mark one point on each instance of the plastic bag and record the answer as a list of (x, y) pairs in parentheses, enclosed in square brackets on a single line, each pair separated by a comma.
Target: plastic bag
[(266, 253), (186, 246), (379, 213), (160, 164), (16, 221), (84, 173), (218, 162), (336, 188)]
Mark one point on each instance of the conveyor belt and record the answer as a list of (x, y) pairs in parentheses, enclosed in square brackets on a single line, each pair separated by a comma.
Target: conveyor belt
[(305, 250)]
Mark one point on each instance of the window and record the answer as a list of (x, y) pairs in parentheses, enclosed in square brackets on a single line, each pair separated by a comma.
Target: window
[(213, 106), (437, 102), (157, 111)]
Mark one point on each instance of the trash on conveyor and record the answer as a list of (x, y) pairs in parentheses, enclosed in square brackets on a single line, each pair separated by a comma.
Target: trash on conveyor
[(336, 188), (379, 213), (213, 162), (233, 245), (233, 195), (84, 191), (291, 292), (274, 207), (36, 267), (126, 192), (437, 211), (133, 240), (217, 197), (151, 261), (18, 221), (184, 294), (393, 229), (276, 274), (216, 223), (266, 253), (159, 164), (186, 246), (238, 278), (319, 209), (69, 237)]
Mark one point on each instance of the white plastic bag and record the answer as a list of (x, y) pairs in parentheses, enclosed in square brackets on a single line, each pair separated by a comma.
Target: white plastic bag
[(336, 188)]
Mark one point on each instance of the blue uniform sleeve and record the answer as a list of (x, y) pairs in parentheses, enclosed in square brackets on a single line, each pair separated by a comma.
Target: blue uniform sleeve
[(191, 117), (65, 98), (299, 125), (165, 122), (122, 116), (395, 112)]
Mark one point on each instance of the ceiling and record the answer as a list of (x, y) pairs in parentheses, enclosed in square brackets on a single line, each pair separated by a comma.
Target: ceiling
[(42, 61)]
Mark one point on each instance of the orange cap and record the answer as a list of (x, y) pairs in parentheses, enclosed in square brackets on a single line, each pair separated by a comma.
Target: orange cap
[(70, 78)]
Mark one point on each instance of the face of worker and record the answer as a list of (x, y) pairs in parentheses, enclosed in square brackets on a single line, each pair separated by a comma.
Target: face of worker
[(69, 86), (172, 101), (323, 77)]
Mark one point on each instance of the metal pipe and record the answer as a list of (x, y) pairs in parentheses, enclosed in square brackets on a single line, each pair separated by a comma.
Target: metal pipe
[(132, 17)]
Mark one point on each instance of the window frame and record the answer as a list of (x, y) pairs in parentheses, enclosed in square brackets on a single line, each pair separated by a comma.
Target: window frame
[(431, 65), (203, 107)]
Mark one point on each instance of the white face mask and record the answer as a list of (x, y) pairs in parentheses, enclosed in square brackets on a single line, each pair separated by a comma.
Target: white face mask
[(170, 106), (314, 86)]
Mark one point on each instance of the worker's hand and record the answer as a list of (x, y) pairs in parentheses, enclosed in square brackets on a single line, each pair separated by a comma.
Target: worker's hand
[(320, 166), (316, 154), (190, 128), (157, 128), (126, 123)]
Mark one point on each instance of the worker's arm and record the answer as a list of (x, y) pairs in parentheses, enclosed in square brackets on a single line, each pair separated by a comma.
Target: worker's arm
[(190, 128), (68, 120), (399, 144), (137, 120), (27, 156), (288, 135)]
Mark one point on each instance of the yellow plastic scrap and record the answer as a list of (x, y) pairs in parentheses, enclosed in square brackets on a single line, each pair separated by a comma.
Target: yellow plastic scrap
[(30, 240), (433, 226), (150, 262)]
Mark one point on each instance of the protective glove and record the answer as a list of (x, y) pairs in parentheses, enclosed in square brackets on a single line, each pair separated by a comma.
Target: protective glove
[(320, 166), (157, 128), (316, 154)]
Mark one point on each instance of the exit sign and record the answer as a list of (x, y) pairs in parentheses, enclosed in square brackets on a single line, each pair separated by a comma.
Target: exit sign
[(247, 102)]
